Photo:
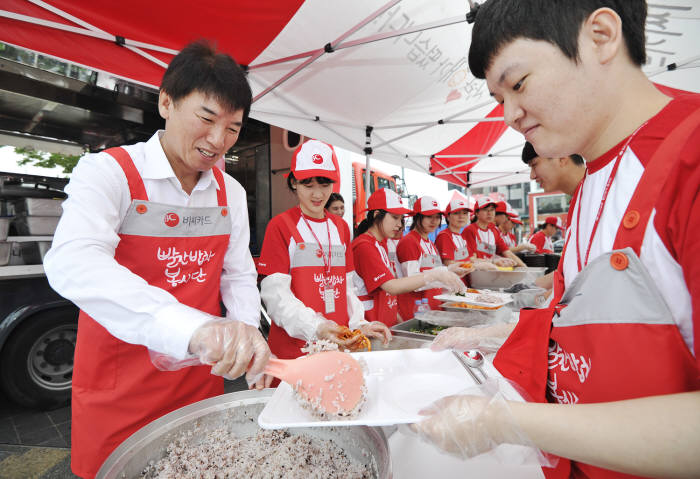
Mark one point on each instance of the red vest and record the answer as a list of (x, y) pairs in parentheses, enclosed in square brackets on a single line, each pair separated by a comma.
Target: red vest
[(428, 259), (116, 388), (379, 305)]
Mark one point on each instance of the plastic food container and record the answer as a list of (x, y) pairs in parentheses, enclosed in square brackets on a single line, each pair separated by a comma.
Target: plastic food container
[(36, 225), (39, 206)]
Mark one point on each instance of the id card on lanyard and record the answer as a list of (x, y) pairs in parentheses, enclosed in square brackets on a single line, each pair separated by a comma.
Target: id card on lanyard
[(328, 290)]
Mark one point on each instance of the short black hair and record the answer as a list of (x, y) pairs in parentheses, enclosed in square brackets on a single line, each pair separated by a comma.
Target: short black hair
[(529, 154), (334, 197), (199, 67), (499, 22), (321, 180)]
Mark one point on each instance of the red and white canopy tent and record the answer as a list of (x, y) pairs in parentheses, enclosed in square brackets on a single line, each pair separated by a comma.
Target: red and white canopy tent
[(390, 75)]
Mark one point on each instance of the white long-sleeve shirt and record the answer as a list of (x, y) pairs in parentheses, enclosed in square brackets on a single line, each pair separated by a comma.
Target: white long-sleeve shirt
[(81, 267)]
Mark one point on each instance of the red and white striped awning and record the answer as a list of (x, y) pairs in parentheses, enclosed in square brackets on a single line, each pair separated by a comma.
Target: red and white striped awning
[(386, 74)]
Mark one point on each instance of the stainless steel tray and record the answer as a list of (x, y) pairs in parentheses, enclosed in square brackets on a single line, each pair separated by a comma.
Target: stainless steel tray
[(404, 329), (39, 206), (35, 225), (237, 411)]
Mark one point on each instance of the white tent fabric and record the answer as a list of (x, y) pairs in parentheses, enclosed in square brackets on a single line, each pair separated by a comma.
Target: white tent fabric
[(406, 86)]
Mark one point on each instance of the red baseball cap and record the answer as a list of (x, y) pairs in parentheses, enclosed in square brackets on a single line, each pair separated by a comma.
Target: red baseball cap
[(456, 204), (516, 219), (427, 206), (502, 207), (511, 212), (484, 202), (554, 220), (315, 158), (387, 200)]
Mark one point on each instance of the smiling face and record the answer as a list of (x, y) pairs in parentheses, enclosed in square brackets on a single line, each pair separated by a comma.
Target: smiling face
[(545, 96), (547, 172), (198, 131), (313, 197)]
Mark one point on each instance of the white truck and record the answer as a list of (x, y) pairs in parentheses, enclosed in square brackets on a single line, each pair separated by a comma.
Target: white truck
[(38, 328)]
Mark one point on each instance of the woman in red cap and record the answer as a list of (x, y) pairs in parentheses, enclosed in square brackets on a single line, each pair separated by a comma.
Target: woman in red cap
[(543, 238), (307, 261), (449, 242), (484, 239), (418, 254), (376, 280)]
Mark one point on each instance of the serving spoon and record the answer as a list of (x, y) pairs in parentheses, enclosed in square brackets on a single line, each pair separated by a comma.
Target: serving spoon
[(331, 381)]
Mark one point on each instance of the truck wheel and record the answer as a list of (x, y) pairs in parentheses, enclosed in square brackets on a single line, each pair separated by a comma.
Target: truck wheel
[(36, 367)]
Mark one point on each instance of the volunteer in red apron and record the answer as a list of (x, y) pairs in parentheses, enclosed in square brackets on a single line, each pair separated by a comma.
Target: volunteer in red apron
[(391, 244), (417, 254), (484, 239), (619, 346), (151, 240), (307, 263), (543, 238), (449, 242), (375, 281), (504, 214)]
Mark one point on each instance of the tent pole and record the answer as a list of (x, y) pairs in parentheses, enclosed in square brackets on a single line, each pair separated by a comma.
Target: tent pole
[(368, 151)]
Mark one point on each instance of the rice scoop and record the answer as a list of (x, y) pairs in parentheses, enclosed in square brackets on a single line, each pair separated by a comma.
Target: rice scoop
[(330, 383)]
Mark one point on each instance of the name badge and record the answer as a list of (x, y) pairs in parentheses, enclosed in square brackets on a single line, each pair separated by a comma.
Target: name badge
[(329, 300)]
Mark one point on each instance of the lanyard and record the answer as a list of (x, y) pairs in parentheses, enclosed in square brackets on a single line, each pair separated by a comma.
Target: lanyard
[(618, 160), (326, 261)]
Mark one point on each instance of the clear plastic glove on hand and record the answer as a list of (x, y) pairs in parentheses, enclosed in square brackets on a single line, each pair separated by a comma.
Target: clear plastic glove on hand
[(231, 348), (460, 271), (469, 425), (504, 262), (332, 331), (483, 265), (376, 329), (488, 339), (530, 247), (442, 278)]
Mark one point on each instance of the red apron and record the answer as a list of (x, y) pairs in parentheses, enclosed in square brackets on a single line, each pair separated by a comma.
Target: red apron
[(379, 305), (116, 388), (597, 344), (429, 259), (309, 279)]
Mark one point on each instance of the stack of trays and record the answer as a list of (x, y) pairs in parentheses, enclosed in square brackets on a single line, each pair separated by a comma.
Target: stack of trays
[(35, 217)]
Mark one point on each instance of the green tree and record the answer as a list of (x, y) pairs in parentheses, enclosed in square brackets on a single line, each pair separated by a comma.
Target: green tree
[(47, 160)]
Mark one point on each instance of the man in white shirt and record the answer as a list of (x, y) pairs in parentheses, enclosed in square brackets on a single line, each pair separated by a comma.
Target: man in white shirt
[(151, 240)]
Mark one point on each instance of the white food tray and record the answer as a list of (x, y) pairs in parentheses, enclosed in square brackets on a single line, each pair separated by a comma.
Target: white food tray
[(470, 298), (399, 384)]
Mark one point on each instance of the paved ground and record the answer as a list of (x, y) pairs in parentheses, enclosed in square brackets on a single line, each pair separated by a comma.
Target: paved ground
[(36, 444)]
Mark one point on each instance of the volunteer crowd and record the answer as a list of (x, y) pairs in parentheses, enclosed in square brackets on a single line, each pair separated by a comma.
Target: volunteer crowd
[(154, 240)]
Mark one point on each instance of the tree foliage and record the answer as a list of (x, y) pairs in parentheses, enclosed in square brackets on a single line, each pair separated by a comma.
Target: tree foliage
[(47, 160)]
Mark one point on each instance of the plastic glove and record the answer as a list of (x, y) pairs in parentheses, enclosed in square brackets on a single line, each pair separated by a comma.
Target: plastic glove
[(231, 347), (483, 265), (504, 262), (530, 247), (262, 380), (331, 331), (460, 271), (376, 329), (488, 339), (442, 278), (468, 425)]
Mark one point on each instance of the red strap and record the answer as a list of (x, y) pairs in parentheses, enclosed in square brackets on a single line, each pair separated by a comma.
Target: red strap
[(133, 177), (293, 229), (221, 192), (634, 222)]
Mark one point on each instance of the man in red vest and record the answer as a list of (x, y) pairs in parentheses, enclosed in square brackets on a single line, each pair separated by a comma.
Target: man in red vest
[(152, 239), (611, 368)]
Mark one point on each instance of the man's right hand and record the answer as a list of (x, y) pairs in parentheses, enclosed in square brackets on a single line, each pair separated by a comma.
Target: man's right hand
[(232, 348)]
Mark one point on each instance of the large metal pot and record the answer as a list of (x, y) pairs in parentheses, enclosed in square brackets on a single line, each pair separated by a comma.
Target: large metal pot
[(238, 411)]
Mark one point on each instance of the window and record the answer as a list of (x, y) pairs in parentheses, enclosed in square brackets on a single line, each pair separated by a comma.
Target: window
[(385, 183)]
